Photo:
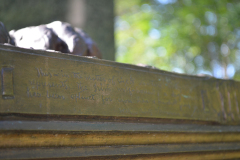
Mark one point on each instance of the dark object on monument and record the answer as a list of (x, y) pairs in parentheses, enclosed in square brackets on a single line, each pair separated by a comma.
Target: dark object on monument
[(4, 36), (66, 32), (92, 47), (147, 66), (58, 36), (38, 37), (79, 43)]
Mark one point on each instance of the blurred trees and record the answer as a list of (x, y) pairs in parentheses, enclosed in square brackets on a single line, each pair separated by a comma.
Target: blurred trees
[(16, 14), (186, 36)]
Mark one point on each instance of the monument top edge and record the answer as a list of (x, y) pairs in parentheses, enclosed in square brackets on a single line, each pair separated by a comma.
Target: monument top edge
[(56, 54)]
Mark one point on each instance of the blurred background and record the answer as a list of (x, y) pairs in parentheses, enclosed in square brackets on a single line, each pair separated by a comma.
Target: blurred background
[(184, 36)]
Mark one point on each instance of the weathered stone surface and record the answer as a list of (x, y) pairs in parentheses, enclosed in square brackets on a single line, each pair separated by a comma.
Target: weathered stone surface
[(58, 84), (55, 105)]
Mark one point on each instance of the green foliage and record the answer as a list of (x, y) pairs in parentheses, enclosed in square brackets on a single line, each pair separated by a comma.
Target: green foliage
[(187, 36)]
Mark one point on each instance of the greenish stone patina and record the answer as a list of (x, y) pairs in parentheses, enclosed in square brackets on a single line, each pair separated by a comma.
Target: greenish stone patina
[(49, 83)]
